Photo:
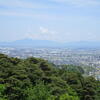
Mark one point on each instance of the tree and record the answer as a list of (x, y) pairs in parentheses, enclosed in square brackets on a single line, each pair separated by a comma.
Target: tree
[(39, 92), (2, 94), (68, 97)]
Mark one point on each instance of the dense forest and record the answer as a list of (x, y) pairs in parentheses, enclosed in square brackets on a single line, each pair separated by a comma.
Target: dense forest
[(37, 79)]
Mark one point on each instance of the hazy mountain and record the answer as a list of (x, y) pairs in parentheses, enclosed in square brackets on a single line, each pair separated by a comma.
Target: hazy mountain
[(31, 43), (47, 43), (84, 44)]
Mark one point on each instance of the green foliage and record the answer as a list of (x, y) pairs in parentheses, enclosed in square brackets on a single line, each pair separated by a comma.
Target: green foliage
[(39, 92), (37, 79), (2, 94), (71, 68), (68, 97), (89, 89), (98, 90)]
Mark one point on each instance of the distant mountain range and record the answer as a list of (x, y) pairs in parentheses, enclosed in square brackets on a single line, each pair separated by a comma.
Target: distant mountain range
[(47, 43), (31, 43)]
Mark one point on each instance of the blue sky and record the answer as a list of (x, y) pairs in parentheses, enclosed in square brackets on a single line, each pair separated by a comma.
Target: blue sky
[(57, 20)]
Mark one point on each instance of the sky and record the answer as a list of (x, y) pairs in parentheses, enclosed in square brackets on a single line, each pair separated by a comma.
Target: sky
[(55, 20)]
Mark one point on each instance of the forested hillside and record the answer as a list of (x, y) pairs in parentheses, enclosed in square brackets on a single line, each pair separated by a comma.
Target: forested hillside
[(37, 79)]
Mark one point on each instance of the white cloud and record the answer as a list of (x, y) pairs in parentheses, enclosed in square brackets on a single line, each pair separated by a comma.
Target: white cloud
[(16, 3), (29, 15), (92, 36), (47, 34), (32, 4), (44, 34), (44, 30), (23, 4), (79, 2)]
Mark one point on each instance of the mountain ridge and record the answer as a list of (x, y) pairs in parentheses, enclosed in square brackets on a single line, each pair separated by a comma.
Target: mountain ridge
[(48, 43)]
